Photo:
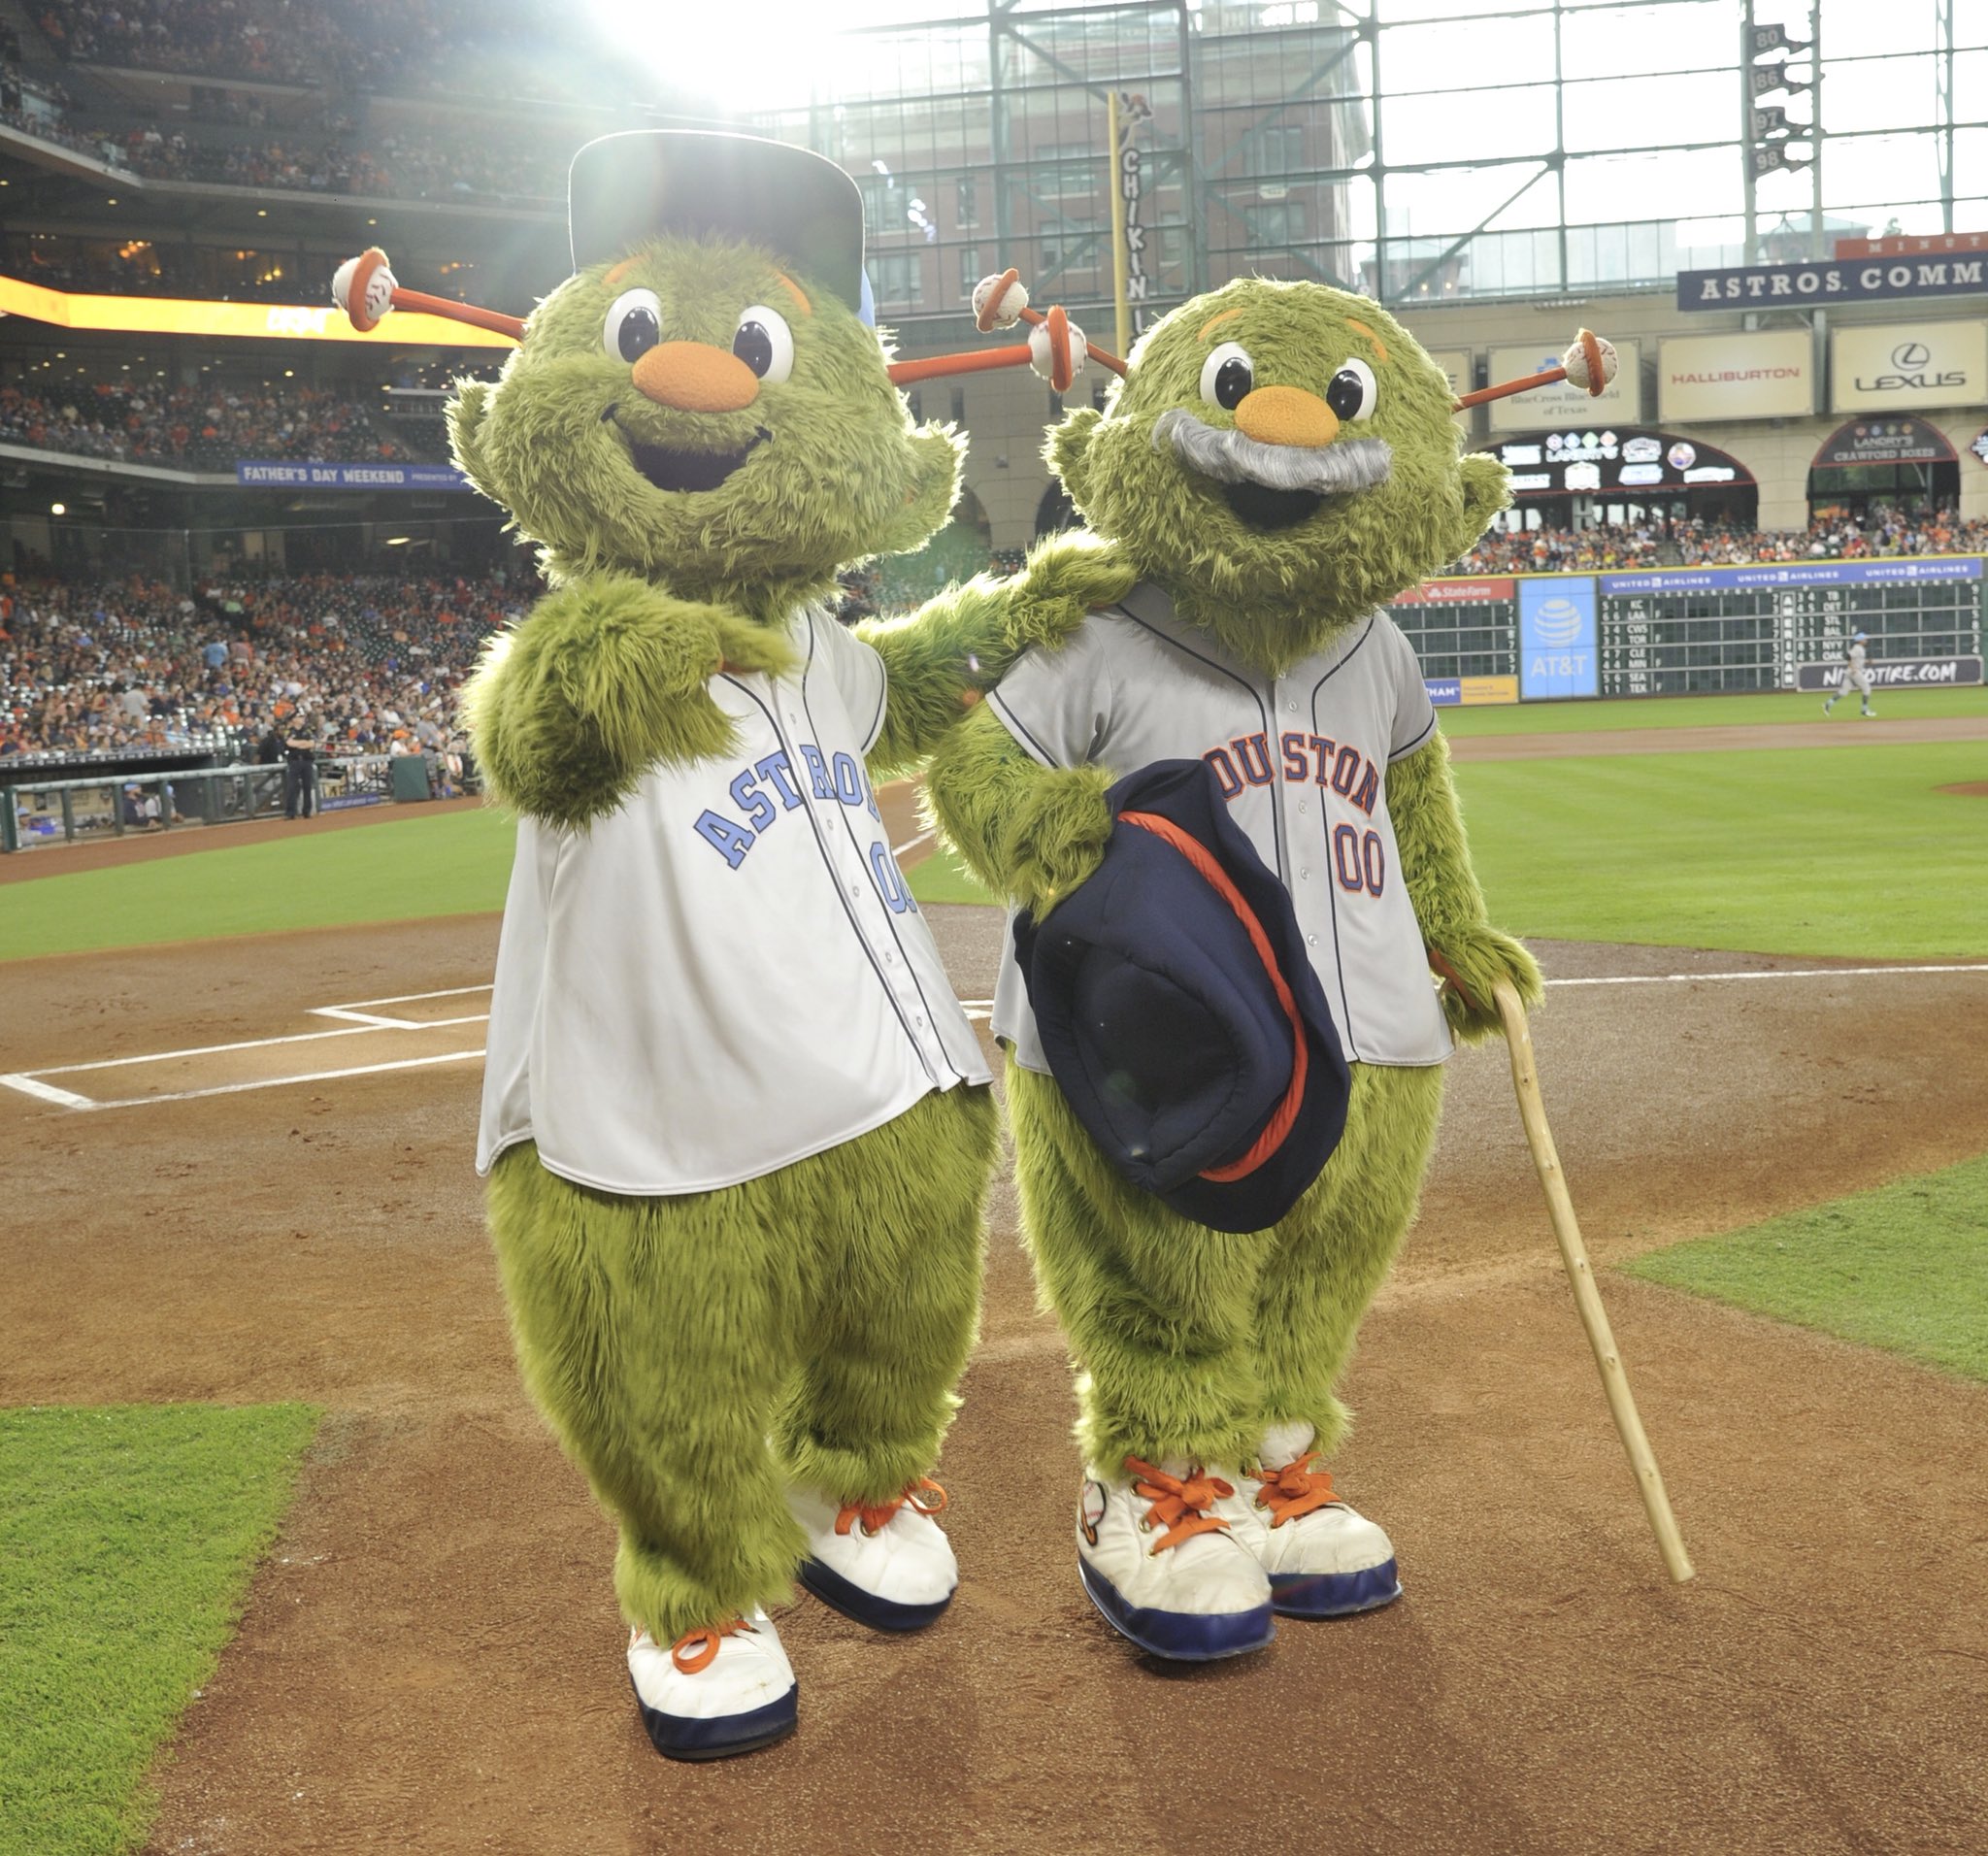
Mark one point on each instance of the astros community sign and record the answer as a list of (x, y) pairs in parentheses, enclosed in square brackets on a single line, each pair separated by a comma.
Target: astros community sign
[(1868, 281)]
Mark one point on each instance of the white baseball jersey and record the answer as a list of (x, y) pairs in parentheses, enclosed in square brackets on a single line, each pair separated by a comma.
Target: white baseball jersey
[(727, 973), (1302, 761)]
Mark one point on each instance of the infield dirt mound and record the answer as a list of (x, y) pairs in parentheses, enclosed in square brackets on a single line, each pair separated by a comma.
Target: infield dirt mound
[(430, 1659)]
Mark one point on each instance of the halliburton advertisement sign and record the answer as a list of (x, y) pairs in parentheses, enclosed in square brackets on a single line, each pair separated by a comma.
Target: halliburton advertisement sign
[(1896, 367), (1766, 376)]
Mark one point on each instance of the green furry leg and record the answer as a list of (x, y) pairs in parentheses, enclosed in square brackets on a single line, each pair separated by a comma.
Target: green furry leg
[(652, 1335), (1329, 1253), (1158, 1310), (893, 1299), (667, 1339), (1193, 1340)]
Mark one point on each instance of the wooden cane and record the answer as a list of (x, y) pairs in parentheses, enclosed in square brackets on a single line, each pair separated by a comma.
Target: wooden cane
[(1587, 1298)]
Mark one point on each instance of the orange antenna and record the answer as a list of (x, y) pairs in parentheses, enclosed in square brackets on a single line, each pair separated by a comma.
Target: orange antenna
[(1056, 349), (1589, 363), (365, 288)]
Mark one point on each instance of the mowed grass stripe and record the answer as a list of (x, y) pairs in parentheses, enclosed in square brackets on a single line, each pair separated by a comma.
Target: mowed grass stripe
[(1702, 711), (400, 870), (127, 1535), (1903, 1267), (1794, 851), (1806, 851)]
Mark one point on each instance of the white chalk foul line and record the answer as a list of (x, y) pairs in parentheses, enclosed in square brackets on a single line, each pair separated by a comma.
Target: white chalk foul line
[(1765, 973), (911, 843), (47, 1092), (256, 1044), (279, 1082)]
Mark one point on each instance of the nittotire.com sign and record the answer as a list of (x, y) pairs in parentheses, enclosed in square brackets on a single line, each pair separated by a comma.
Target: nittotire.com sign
[(1904, 673)]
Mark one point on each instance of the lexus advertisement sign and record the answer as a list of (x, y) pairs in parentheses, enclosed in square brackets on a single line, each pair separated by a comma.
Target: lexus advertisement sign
[(1896, 367)]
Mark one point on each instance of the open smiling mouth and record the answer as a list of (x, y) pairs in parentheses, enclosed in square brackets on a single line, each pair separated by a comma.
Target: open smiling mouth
[(668, 468)]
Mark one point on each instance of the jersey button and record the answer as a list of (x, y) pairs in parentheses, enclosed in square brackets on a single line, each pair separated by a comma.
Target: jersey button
[(1311, 941), (1304, 872)]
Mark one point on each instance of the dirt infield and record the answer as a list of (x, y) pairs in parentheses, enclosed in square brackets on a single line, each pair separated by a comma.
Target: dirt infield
[(431, 1659)]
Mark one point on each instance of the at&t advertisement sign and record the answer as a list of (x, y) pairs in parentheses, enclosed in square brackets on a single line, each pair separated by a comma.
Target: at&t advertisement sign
[(1556, 638)]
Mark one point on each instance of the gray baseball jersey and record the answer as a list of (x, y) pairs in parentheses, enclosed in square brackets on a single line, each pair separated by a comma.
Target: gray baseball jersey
[(1302, 761), (727, 973), (1856, 675)]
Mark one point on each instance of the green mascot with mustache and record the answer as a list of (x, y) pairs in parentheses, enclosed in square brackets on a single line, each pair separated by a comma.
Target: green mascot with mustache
[(1278, 463), (736, 1129)]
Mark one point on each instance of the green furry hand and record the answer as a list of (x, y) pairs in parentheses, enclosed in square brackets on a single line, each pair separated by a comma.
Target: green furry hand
[(607, 676), (1472, 962), (1068, 577), (1057, 836)]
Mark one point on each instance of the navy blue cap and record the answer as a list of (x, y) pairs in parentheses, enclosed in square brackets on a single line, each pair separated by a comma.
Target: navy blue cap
[(1179, 1013)]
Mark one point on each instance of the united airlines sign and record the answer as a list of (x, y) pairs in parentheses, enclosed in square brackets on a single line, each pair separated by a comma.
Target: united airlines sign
[(1748, 286)]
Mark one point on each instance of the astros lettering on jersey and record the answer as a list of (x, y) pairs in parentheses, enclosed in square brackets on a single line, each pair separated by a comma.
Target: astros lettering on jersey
[(741, 923), (1302, 759)]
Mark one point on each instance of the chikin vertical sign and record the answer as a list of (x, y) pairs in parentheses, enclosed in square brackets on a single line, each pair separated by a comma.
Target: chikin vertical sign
[(1126, 110)]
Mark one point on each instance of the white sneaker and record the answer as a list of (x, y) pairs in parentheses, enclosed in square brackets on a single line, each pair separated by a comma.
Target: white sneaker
[(729, 1689), (890, 1567), (1323, 1559), (1160, 1564)]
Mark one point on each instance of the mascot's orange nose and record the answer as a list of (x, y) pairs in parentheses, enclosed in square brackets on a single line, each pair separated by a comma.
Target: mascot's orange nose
[(1287, 416), (693, 377)]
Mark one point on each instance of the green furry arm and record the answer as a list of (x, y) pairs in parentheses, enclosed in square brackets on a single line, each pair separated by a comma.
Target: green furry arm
[(606, 676), (955, 645), (1449, 907), (1030, 832)]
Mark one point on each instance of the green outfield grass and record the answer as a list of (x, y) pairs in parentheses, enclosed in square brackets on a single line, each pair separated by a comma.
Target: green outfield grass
[(1903, 1267), (1702, 712), (1798, 852), (1811, 851), (127, 1535), (402, 869)]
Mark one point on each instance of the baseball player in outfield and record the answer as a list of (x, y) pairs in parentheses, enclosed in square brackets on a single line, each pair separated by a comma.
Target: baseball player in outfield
[(1856, 675)]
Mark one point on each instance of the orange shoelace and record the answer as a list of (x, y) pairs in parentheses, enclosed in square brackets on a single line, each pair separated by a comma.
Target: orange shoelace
[(876, 1519), (1181, 1505), (1295, 1489), (706, 1641)]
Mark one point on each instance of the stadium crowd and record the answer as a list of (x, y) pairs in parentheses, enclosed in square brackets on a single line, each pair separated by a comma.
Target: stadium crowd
[(373, 663), (203, 427), (376, 661), (1881, 531)]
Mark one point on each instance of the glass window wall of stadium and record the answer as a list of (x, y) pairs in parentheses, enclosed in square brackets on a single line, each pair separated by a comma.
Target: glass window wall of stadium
[(1415, 149)]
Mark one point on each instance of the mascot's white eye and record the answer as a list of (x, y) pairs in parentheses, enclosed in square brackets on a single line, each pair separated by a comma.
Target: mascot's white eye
[(634, 325), (1354, 392), (1227, 376), (765, 344)]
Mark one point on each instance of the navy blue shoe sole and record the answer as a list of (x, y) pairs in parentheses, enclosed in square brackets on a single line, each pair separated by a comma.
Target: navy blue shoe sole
[(851, 1601), (1177, 1637), (1334, 1594), (676, 1736)]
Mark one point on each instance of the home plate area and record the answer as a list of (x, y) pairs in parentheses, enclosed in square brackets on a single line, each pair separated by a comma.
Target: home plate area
[(409, 1031)]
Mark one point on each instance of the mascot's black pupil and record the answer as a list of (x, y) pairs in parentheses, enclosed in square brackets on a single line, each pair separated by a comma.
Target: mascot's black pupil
[(640, 332), (1344, 394), (754, 347), (1233, 384)]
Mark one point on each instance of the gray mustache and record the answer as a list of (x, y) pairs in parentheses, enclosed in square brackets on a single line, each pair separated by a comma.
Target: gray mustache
[(1233, 458)]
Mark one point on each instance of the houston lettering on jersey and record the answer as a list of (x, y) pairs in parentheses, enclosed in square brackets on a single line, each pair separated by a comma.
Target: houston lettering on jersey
[(1307, 760)]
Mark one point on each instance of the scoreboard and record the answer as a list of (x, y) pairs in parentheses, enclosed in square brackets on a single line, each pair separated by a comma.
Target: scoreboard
[(1669, 631)]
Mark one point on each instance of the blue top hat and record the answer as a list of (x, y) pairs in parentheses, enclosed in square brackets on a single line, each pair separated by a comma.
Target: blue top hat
[(1179, 1013)]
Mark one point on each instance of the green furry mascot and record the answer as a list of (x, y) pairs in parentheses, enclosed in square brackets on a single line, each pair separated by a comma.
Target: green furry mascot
[(737, 1128), (1278, 463)]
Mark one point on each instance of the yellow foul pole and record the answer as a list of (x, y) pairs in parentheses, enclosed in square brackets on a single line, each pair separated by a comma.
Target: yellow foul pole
[(1121, 308)]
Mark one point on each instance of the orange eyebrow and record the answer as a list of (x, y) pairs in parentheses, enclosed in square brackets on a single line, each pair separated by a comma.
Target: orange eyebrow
[(800, 295), (1380, 347), (1214, 319), (620, 271)]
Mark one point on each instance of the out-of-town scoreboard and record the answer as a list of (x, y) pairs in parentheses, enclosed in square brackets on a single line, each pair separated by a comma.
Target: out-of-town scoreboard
[(1669, 631)]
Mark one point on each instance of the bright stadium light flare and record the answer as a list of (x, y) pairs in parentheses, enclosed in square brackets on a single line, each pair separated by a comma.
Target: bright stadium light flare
[(713, 55), (59, 508)]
